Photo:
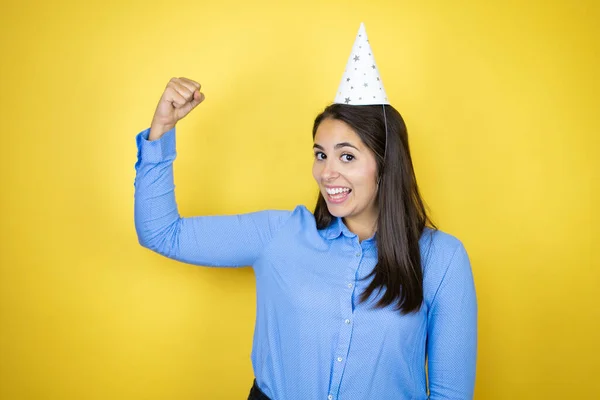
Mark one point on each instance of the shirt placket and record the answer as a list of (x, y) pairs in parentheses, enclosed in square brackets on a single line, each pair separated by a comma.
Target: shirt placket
[(346, 324)]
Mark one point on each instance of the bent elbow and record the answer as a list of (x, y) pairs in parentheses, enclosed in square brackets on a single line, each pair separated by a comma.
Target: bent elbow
[(161, 240)]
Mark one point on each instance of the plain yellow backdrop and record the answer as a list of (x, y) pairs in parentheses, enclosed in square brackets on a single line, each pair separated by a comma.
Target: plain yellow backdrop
[(502, 104)]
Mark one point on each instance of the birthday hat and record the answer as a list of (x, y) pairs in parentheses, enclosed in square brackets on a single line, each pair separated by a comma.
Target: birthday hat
[(361, 83)]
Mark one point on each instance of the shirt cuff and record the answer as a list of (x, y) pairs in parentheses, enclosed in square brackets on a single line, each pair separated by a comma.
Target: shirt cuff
[(157, 150)]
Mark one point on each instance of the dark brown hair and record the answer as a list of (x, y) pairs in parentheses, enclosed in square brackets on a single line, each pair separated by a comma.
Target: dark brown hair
[(402, 214)]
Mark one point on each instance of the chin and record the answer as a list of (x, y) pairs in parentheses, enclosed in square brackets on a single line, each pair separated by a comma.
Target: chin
[(336, 213), (337, 210)]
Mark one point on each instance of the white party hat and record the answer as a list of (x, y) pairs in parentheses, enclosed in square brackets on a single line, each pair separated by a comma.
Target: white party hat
[(361, 83)]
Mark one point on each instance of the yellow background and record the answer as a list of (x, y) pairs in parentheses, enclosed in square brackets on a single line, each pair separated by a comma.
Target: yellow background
[(502, 104)]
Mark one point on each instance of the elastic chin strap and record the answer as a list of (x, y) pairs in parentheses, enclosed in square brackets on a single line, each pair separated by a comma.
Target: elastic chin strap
[(386, 142)]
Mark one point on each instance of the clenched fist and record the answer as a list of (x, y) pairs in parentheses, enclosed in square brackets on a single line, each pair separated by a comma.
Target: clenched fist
[(180, 97)]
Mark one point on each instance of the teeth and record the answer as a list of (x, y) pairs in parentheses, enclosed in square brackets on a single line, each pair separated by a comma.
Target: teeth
[(337, 190)]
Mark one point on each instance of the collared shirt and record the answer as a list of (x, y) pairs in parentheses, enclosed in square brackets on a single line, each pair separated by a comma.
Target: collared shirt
[(313, 339)]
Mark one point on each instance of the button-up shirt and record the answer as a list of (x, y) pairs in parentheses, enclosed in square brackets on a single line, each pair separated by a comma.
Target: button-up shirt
[(313, 339)]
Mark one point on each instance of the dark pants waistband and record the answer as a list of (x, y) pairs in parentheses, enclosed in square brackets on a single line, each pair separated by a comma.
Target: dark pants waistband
[(256, 393)]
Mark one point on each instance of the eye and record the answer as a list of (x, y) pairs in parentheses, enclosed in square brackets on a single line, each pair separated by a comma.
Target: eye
[(319, 155), (347, 157)]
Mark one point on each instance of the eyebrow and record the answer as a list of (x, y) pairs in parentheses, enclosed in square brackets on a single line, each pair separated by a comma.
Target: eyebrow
[(337, 146)]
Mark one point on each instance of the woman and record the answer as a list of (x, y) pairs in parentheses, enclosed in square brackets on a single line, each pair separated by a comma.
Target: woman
[(356, 301)]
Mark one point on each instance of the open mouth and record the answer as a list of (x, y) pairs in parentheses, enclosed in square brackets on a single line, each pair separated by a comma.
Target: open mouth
[(338, 195)]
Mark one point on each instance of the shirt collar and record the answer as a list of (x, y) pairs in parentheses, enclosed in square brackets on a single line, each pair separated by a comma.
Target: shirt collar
[(337, 228)]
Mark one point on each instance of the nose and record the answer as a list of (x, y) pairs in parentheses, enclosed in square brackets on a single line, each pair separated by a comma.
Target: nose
[(329, 171)]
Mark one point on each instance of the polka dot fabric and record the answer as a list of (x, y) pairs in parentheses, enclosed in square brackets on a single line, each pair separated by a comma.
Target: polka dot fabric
[(312, 338)]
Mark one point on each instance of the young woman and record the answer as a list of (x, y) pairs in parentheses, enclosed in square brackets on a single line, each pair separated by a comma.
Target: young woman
[(357, 300)]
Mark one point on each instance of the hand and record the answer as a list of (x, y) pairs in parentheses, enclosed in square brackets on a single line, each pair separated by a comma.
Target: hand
[(180, 97)]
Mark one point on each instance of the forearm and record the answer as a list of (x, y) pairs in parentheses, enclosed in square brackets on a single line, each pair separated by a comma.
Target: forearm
[(155, 209)]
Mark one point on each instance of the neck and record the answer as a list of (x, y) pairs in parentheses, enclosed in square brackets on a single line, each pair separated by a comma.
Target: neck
[(363, 228)]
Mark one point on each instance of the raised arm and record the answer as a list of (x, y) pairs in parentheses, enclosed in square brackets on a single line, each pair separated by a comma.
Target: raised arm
[(235, 240), (452, 332)]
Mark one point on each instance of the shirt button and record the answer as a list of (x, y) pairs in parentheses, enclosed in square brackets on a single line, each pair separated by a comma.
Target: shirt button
[(357, 254), (350, 286), (347, 322), (339, 359), (330, 397)]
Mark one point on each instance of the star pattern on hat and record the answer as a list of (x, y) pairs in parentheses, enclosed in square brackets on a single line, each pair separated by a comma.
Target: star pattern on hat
[(362, 67)]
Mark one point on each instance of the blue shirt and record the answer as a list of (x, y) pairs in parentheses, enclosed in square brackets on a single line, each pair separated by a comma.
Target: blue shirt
[(313, 339)]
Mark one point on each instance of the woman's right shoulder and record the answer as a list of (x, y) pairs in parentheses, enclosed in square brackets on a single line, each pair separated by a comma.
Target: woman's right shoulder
[(295, 220), (298, 215)]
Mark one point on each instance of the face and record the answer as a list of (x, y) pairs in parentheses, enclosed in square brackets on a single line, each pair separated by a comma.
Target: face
[(346, 172)]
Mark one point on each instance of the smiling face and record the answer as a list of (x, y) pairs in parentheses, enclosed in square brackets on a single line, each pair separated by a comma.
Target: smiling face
[(346, 172)]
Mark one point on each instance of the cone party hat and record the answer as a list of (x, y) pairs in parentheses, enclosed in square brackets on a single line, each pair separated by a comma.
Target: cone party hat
[(361, 83)]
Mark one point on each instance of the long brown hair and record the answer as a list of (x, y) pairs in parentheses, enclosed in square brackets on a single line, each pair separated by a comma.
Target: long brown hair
[(402, 214)]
